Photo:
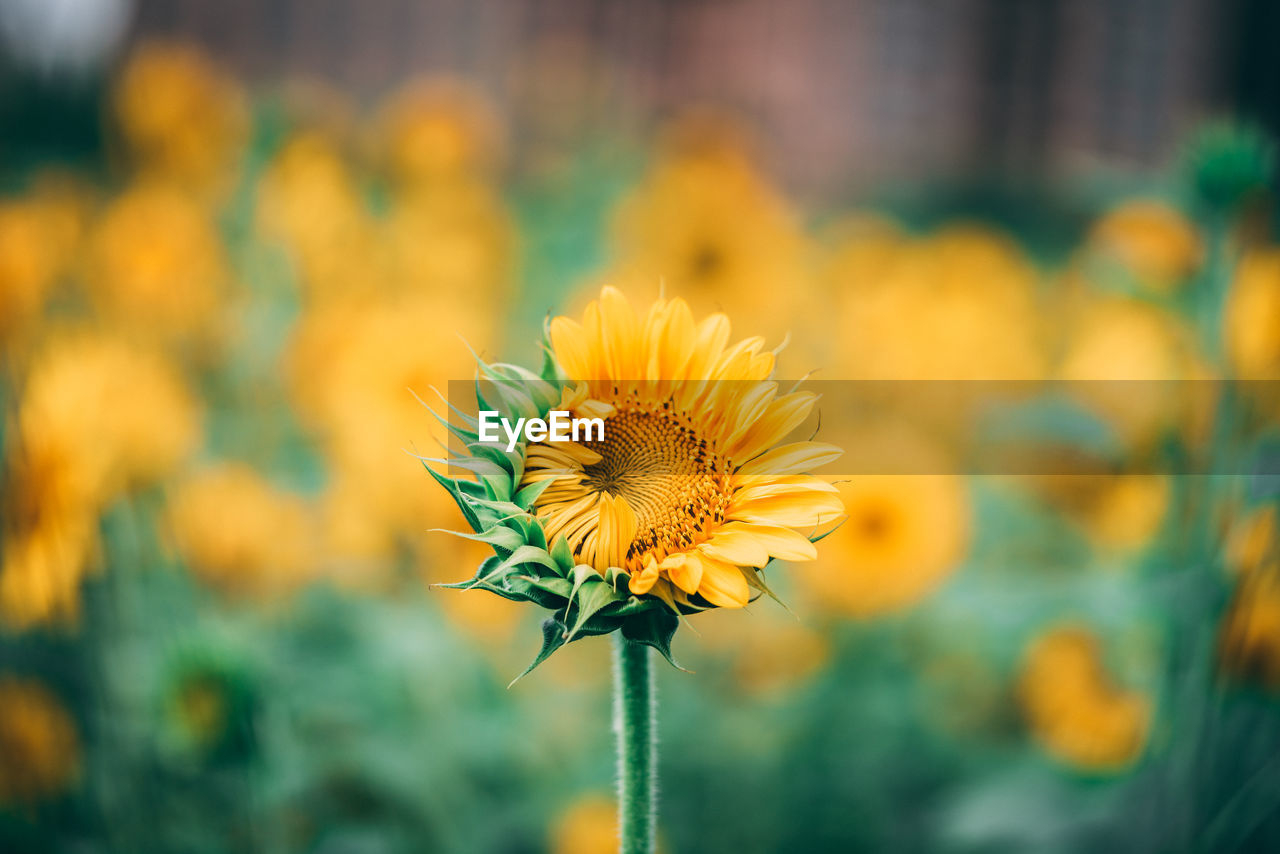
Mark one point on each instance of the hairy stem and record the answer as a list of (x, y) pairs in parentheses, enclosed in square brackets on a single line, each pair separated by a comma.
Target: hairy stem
[(635, 722)]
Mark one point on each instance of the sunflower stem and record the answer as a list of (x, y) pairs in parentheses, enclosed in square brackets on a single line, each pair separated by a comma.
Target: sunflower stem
[(635, 712)]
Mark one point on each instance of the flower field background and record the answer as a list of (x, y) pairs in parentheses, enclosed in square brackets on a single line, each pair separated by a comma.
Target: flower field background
[(217, 626)]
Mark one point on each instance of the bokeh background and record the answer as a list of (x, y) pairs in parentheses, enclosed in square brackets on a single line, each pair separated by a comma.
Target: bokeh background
[(234, 235)]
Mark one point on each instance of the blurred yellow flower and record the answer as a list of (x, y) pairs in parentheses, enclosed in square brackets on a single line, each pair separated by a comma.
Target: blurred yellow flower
[(437, 130), (491, 620), (904, 533), (1130, 362), (904, 536), (39, 748), (124, 414), (708, 226), (41, 571), (1252, 318), (1074, 708), (241, 535), (960, 304), (96, 417), (156, 266), (455, 242), (1250, 636), (309, 200), (1153, 241), (1119, 512), (1252, 543), (181, 117), (354, 369), (588, 826), (39, 235), (1128, 511), (770, 659)]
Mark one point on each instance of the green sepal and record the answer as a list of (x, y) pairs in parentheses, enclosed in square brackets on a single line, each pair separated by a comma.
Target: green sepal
[(552, 639), (533, 532), (755, 578), (497, 486), (511, 462), (563, 555), (656, 628), (819, 537), (614, 574), (528, 554), (589, 594), (483, 571), (454, 489), (525, 497), (547, 592), (499, 536), (550, 371)]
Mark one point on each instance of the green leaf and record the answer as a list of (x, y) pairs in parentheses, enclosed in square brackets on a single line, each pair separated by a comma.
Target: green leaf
[(483, 571), (552, 639)]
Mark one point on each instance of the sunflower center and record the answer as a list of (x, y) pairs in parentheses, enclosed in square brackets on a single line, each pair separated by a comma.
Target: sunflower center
[(706, 260), (673, 478)]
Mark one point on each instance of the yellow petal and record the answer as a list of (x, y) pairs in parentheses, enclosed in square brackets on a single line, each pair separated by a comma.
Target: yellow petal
[(783, 415), (799, 510), (642, 582), (794, 458), (782, 543), (736, 547), (723, 584), (619, 340), (684, 569), (569, 342)]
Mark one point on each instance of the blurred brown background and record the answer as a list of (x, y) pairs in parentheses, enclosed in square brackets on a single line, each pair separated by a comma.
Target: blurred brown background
[(846, 92)]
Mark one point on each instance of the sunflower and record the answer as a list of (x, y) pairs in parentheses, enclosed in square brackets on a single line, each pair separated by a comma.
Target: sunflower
[(156, 266), (959, 304), (1249, 638), (1130, 362), (681, 502), (181, 117), (589, 825), (349, 364), (39, 748), (707, 221), (1151, 241), (1072, 704), (1251, 320), (241, 535), (58, 481), (906, 533)]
